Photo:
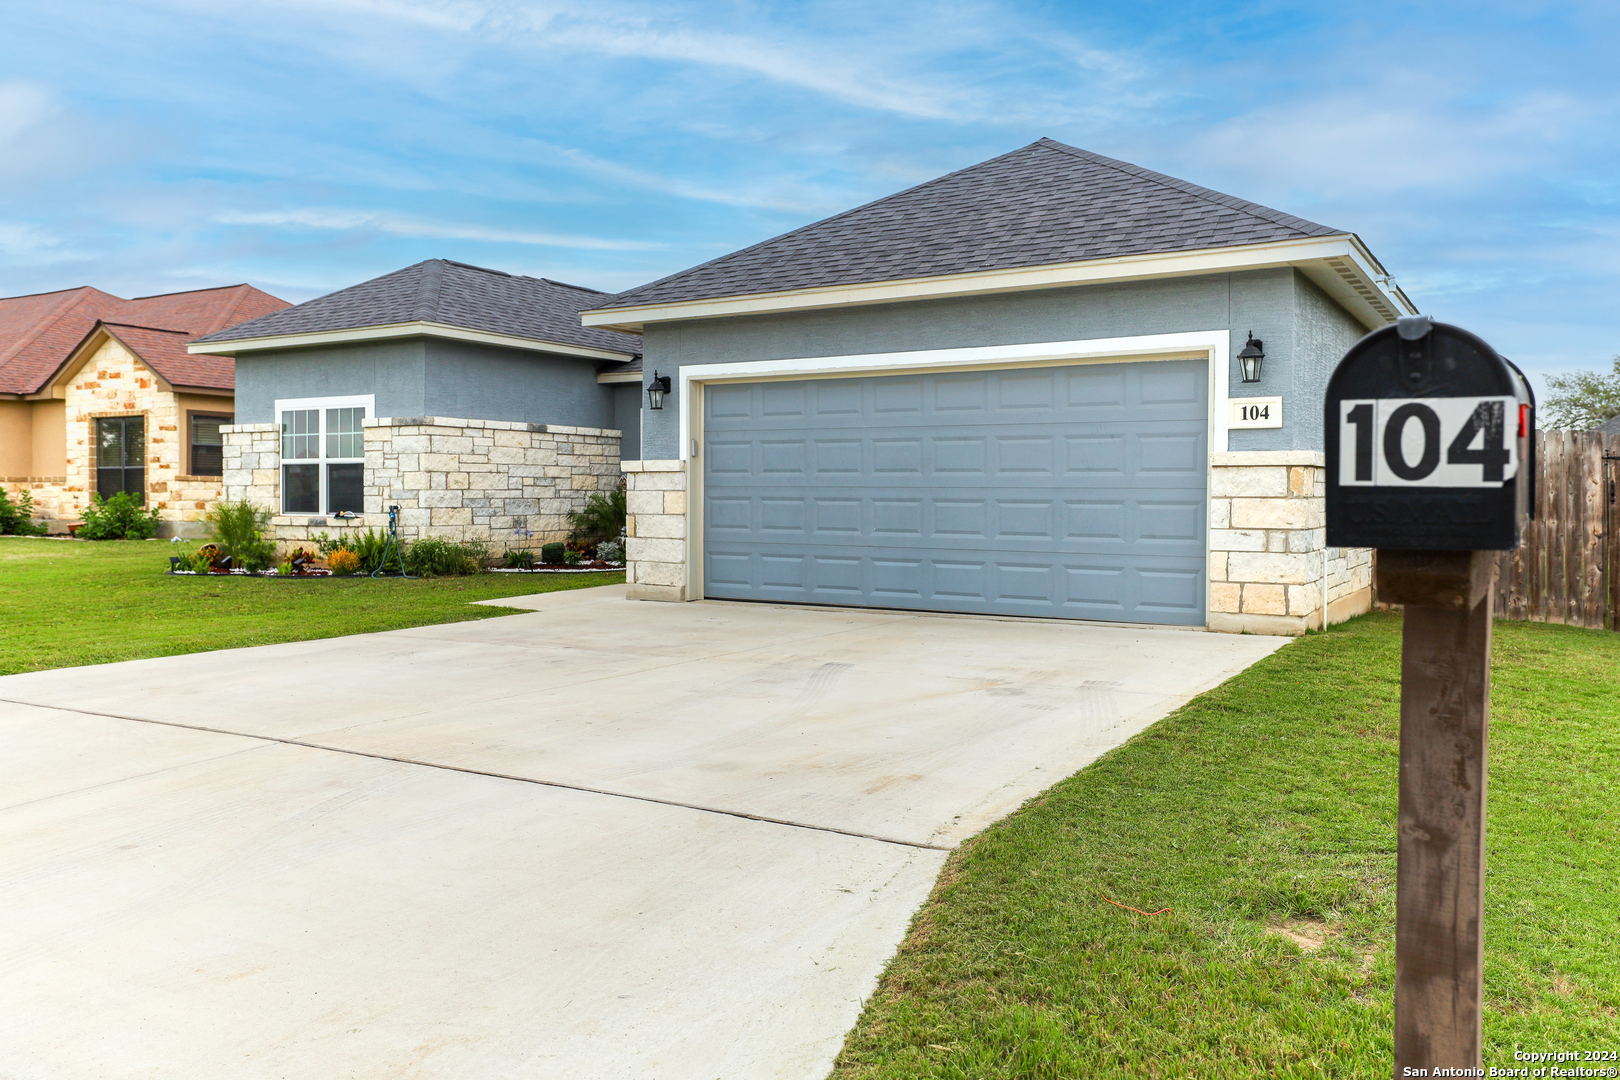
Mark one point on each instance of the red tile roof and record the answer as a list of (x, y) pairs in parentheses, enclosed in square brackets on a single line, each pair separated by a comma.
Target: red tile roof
[(38, 333)]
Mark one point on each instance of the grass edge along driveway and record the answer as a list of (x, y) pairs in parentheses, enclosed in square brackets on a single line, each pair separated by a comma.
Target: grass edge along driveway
[(66, 603), (1263, 815)]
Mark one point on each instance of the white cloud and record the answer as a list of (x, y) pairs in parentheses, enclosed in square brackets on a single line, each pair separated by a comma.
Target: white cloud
[(403, 225)]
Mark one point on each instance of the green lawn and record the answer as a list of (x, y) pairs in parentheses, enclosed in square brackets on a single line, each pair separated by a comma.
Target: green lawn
[(64, 603), (1268, 805)]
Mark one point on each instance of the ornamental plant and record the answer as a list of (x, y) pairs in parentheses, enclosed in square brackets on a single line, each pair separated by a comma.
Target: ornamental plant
[(343, 561), (17, 518), (602, 518), (118, 518), (238, 530)]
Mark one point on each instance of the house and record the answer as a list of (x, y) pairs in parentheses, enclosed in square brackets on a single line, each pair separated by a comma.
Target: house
[(472, 399), (99, 394), (1051, 384)]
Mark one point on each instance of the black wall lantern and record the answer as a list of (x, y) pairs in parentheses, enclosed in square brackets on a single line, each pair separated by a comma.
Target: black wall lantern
[(1251, 358), (656, 390)]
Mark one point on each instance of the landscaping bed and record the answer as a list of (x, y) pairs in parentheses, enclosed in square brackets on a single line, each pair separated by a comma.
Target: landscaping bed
[(1258, 824)]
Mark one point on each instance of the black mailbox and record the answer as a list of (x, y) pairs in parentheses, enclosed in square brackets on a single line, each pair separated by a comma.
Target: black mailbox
[(1430, 442)]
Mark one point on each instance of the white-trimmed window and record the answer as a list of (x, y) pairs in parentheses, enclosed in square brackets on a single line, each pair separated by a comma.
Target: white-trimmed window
[(323, 454)]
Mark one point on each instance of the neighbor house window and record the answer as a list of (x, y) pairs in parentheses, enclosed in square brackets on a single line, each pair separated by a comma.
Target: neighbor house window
[(323, 455), (207, 444), (120, 456)]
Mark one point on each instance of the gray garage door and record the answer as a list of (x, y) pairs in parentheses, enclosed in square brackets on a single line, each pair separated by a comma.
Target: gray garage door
[(1074, 492)]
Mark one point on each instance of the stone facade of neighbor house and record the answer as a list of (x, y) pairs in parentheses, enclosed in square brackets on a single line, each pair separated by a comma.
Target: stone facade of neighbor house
[(1268, 561), (655, 529), (114, 382), (73, 359), (508, 484)]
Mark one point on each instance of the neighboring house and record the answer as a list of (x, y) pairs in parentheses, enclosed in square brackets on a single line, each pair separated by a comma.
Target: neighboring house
[(1609, 427), (1012, 390), (472, 399), (99, 394)]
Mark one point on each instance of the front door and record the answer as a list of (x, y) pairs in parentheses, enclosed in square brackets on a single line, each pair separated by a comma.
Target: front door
[(120, 456)]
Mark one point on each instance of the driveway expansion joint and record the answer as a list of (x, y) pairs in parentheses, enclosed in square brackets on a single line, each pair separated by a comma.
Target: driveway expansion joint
[(493, 775)]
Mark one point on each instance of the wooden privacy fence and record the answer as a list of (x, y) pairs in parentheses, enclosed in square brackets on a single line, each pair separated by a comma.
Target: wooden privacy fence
[(1567, 569)]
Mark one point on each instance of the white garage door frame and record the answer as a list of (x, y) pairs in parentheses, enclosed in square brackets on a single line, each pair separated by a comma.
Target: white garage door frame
[(1211, 345)]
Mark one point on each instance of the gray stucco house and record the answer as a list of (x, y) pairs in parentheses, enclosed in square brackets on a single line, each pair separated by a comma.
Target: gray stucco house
[(473, 399), (1015, 390)]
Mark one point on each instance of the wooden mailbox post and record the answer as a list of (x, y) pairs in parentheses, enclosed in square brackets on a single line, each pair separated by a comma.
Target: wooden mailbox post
[(1430, 441)]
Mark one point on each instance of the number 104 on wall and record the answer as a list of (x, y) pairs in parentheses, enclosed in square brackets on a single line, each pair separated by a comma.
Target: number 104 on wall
[(1447, 442)]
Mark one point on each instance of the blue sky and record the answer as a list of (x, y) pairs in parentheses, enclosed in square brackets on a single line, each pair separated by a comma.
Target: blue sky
[(154, 146)]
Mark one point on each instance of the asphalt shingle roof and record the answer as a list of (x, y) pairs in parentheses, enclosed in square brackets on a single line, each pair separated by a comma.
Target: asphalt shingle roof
[(1045, 203), (38, 333), (454, 294)]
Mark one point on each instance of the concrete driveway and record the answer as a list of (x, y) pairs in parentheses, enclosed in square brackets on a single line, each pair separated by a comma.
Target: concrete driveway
[(602, 839)]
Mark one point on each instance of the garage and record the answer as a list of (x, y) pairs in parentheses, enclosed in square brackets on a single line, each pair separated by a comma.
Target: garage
[(1074, 491)]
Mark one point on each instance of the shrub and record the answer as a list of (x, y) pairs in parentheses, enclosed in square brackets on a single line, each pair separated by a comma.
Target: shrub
[(326, 545), (238, 530), (572, 558), (343, 561), (17, 518), (434, 556), (601, 519), (118, 518), (370, 546), (551, 554), (610, 551), (518, 560)]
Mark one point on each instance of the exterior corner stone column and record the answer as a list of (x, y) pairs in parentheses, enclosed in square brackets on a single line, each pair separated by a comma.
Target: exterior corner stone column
[(655, 530)]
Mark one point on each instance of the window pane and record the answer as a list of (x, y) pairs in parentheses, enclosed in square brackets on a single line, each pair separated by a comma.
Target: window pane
[(207, 460), (300, 434), (344, 437), (345, 488), (110, 442), (207, 446), (301, 489)]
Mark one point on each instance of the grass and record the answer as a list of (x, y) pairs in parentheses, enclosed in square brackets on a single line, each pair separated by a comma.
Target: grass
[(1263, 815), (66, 603)]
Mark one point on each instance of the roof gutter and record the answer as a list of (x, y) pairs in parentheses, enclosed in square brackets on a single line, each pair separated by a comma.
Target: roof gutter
[(1341, 265), (390, 331)]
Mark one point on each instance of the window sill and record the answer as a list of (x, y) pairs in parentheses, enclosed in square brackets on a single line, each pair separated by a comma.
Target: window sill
[(199, 478), (317, 519)]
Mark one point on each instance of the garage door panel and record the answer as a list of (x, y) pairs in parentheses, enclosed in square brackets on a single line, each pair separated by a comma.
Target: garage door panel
[(1070, 492)]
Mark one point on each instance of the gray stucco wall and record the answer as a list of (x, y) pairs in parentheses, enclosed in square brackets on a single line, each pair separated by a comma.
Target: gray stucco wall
[(1271, 303), (432, 377), (627, 399), (481, 382), (393, 370)]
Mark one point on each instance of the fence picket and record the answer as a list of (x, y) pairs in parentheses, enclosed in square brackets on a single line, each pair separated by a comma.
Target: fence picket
[(1567, 566)]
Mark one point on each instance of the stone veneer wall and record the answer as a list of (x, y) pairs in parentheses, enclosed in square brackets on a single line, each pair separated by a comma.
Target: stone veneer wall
[(655, 529), (1268, 560), (114, 382), (508, 484)]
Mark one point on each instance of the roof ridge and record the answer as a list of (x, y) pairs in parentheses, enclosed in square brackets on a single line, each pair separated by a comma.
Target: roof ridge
[(470, 266), (570, 285), (1186, 187), (222, 320), (140, 326), (184, 292), (428, 290), (826, 220)]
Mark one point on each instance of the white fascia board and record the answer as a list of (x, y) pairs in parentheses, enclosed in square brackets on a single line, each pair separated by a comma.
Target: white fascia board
[(620, 377), (1213, 344), (400, 330), (1316, 250)]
